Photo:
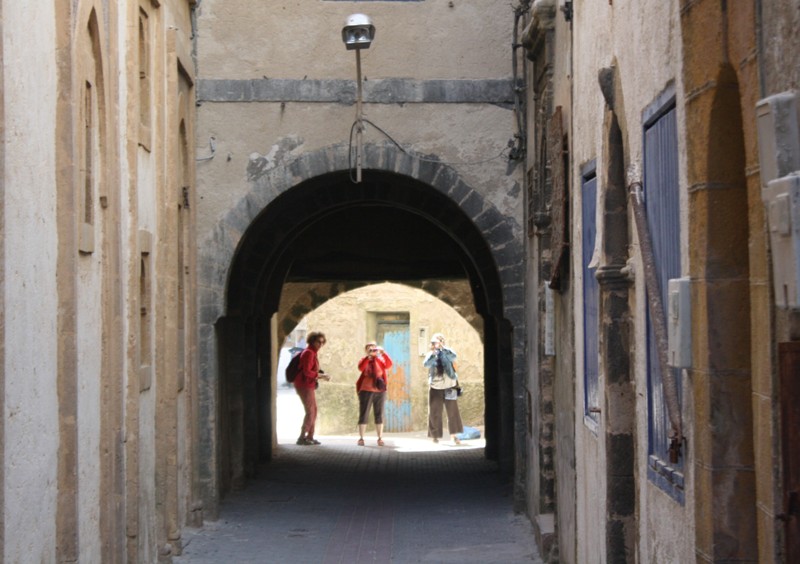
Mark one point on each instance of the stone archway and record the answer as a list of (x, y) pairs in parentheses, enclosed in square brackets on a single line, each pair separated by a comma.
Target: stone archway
[(246, 261), (305, 298)]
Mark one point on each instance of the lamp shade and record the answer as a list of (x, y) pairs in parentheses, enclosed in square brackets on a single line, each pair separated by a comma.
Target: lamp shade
[(358, 32)]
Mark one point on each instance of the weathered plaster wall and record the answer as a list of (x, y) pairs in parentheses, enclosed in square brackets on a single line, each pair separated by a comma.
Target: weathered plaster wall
[(550, 316), (2, 293), (254, 137), (29, 294), (587, 145), (780, 21), (604, 35), (779, 44), (302, 38), (288, 41), (565, 321)]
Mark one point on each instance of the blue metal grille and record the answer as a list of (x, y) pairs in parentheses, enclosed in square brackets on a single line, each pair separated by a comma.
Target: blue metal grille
[(662, 205), (591, 293)]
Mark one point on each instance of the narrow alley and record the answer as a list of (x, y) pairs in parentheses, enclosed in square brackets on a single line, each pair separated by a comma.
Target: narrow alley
[(596, 203), (340, 503), (409, 501)]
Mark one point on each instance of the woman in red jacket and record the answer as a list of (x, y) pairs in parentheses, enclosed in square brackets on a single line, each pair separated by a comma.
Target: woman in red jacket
[(371, 388), (305, 384)]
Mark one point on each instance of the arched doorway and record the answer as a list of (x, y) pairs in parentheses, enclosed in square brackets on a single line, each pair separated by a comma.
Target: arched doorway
[(412, 220), (397, 316)]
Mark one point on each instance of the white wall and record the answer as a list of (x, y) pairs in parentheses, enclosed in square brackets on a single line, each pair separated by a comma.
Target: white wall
[(30, 300)]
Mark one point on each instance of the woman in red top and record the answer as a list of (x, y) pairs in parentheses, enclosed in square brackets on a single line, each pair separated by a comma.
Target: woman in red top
[(305, 384), (371, 388)]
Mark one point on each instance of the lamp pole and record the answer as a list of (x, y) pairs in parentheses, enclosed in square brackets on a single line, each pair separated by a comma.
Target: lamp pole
[(357, 34), (359, 121)]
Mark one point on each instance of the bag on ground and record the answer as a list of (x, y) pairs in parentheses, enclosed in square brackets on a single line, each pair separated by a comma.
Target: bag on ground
[(469, 433)]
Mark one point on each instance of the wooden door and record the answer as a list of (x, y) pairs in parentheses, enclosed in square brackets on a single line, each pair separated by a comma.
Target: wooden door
[(789, 359)]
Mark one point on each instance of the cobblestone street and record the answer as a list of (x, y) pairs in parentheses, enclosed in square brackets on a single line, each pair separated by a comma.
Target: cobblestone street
[(409, 501)]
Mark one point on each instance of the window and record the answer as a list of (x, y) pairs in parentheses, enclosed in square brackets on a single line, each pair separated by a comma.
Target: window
[(89, 149), (591, 296), (145, 320), (145, 86), (662, 206)]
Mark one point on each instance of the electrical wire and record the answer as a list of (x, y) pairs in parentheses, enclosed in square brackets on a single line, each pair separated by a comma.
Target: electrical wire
[(502, 153)]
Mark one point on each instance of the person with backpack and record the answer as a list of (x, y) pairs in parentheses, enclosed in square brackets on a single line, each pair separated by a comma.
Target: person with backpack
[(371, 389), (305, 383)]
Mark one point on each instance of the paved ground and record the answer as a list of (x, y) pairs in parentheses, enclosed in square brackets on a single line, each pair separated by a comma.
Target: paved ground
[(409, 501)]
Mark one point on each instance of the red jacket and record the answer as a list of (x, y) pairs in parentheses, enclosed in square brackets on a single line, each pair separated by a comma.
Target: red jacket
[(308, 371), (370, 368)]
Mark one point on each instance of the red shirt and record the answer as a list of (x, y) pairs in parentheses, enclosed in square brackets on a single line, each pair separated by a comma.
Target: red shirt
[(370, 368), (308, 370)]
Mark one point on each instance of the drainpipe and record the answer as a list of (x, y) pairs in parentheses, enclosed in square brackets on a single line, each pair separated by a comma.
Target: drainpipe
[(656, 308)]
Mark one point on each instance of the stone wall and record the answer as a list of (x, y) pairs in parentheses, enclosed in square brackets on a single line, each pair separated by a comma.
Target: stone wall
[(98, 280), (275, 110)]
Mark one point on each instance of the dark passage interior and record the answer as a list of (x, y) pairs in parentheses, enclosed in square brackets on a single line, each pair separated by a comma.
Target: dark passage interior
[(340, 503), (329, 230)]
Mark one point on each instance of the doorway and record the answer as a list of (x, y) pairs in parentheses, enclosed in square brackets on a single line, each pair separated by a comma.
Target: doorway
[(393, 334), (328, 232)]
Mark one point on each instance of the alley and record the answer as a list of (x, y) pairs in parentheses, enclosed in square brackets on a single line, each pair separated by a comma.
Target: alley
[(409, 501)]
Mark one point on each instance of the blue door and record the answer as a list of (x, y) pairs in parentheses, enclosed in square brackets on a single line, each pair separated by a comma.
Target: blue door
[(394, 335)]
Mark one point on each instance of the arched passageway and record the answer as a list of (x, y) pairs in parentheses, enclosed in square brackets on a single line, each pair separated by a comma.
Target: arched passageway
[(401, 318), (299, 225)]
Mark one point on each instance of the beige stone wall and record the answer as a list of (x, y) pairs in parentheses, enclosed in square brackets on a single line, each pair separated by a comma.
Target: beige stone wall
[(29, 240), (731, 371), (290, 39), (347, 324), (94, 447)]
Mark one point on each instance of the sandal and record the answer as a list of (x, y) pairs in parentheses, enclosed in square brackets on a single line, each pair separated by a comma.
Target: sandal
[(380, 441), (302, 441), (313, 442), (360, 442)]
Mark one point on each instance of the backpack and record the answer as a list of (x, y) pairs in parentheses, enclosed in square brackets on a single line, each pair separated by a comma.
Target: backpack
[(293, 368)]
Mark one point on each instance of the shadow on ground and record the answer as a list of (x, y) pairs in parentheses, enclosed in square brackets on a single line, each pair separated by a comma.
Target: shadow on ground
[(409, 501)]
